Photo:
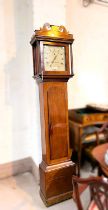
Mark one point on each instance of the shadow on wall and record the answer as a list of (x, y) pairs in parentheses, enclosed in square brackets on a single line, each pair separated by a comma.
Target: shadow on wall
[(21, 94)]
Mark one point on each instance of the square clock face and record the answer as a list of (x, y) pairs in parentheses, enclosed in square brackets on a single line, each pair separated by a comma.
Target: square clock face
[(54, 58)]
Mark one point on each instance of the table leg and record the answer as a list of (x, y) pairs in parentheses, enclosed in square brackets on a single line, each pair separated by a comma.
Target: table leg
[(79, 151)]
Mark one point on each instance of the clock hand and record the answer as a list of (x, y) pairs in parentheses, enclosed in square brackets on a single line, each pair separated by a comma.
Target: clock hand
[(54, 59)]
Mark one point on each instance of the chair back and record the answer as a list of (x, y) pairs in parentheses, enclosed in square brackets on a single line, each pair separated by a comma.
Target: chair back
[(98, 188)]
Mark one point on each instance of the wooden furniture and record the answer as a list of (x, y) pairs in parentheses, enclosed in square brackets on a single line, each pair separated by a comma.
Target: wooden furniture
[(98, 154), (88, 115), (83, 127), (101, 138), (98, 191), (52, 60)]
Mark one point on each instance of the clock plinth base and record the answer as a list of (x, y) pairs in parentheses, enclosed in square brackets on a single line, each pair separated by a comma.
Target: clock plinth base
[(56, 199), (56, 182)]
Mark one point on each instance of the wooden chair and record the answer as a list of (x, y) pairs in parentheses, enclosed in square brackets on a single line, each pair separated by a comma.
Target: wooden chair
[(101, 137), (97, 190), (104, 130)]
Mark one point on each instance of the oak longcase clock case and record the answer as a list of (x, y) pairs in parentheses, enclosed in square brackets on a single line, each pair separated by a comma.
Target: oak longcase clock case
[(52, 60)]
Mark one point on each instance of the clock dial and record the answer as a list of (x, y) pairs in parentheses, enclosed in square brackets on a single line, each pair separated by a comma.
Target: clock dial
[(54, 58)]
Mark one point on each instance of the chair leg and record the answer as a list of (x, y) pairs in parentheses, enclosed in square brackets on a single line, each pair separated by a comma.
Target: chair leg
[(100, 173)]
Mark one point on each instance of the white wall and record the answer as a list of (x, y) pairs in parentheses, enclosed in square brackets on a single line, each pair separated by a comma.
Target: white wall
[(89, 27), (17, 104), (19, 100)]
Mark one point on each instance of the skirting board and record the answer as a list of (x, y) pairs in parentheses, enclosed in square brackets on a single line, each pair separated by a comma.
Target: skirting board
[(19, 166)]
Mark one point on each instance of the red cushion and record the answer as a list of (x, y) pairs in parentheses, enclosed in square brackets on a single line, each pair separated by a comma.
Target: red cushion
[(93, 206)]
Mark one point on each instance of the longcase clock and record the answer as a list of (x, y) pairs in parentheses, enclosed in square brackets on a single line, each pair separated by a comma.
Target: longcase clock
[(52, 60)]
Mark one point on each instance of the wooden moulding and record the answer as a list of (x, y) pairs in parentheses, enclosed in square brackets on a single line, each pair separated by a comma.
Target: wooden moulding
[(52, 32)]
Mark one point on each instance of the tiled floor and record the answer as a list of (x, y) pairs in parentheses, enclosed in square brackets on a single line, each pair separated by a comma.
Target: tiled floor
[(21, 192)]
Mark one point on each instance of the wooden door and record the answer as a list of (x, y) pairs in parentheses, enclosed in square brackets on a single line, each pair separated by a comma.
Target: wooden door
[(58, 122)]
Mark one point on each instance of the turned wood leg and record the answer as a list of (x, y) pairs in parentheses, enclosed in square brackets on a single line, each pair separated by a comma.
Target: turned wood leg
[(79, 160)]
